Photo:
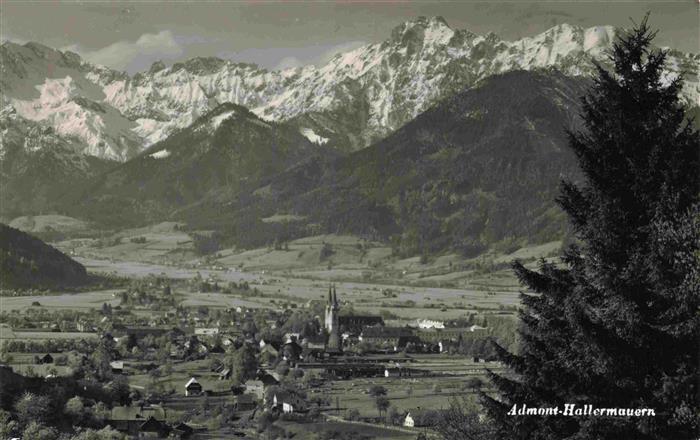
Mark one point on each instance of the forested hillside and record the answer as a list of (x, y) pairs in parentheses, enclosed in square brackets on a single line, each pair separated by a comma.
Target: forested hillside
[(26, 261)]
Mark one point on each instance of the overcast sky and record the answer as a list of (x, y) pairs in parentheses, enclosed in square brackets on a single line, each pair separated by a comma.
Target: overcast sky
[(130, 36)]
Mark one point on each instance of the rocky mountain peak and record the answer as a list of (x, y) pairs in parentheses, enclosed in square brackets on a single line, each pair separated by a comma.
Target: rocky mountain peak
[(200, 65), (423, 30), (156, 67)]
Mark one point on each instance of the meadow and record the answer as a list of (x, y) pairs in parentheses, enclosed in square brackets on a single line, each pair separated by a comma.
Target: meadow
[(80, 300)]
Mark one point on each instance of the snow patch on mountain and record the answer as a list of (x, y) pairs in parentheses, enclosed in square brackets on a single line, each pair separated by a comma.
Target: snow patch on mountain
[(55, 105), (218, 119), (598, 38), (62, 104), (162, 154), (311, 135)]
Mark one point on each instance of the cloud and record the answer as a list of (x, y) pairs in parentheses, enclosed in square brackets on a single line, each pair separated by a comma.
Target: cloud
[(134, 56), (334, 50), (280, 58), (5, 37), (288, 62), (137, 56)]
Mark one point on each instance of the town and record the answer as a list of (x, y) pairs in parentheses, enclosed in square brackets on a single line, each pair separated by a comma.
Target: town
[(151, 368)]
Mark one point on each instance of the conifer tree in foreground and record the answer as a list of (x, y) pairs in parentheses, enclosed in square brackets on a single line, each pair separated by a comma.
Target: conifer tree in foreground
[(617, 324)]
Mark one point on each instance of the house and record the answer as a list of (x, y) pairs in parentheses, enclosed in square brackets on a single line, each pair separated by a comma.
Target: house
[(393, 372), (291, 351), (356, 323), (193, 388), (266, 342), (225, 374), (245, 402), (419, 418), (446, 345), (400, 371), (385, 335), (129, 419), (269, 379), (429, 323), (153, 428), (46, 359), (288, 403), (117, 367), (291, 337), (255, 387), (315, 343), (270, 349)]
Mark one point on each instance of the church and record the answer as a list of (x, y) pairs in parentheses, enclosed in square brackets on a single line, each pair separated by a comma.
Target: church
[(336, 325)]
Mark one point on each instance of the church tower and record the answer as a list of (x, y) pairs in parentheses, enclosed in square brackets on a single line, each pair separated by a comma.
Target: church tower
[(332, 325)]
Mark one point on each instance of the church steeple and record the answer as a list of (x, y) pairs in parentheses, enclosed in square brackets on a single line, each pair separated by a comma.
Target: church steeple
[(332, 320)]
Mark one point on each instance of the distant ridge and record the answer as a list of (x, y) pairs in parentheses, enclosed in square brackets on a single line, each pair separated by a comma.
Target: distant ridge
[(478, 168)]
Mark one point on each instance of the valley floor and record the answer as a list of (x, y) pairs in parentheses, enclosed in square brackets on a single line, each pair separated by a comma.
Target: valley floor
[(367, 277)]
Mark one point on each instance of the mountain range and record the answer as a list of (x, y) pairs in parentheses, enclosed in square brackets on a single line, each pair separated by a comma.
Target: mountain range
[(434, 138), (355, 99), (478, 168)]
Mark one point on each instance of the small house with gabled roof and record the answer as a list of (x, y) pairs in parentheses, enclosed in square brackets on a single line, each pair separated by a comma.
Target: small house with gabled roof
[(193, 388)]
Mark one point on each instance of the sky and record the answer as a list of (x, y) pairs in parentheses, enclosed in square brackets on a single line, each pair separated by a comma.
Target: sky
[(132, 35)]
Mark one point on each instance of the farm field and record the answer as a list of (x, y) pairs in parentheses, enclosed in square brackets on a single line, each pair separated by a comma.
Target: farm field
[(426, 302), (444, 382), (42, 223), (8, 333), (336, 425), (25, 364), (42, 370), (365, 273), (81, 300), (181, 373), (347, 258)]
